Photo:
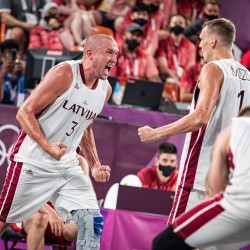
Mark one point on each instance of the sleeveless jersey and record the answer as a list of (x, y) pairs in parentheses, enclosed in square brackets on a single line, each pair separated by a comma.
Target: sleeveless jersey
[(64, 120), (234, 94), (237, 194)]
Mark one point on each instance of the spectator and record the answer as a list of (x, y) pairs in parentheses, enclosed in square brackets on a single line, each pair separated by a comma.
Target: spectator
[(175, 52), (112, 15), (133, 61), (191, 9), (189, 79), (211, 10), (50, 33), (163, 175), (20, 17), (140, 15), (11, 74)]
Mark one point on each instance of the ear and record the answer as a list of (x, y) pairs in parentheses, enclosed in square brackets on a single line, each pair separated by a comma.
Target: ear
[(89, 54), (213, 42)]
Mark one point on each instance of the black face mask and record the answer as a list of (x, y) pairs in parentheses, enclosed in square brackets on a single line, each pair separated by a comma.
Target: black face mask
[(153, 8), (47, 18), (211, 17), (132, 44), (177, 30), (140, 21), (166, 170)]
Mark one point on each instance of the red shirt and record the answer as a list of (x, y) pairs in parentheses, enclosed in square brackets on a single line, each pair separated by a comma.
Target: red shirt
[(185, 52), (142, 66), (150, 37), (149, 179), (43, 38), (190, 77), (245, 60)]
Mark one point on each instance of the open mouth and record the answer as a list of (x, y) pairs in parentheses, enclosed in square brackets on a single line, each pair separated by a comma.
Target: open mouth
[(108, 68)]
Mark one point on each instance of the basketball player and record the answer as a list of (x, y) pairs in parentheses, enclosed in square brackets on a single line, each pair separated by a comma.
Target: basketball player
[(55, 119), (223, 219), (222, 90), (47, 221)]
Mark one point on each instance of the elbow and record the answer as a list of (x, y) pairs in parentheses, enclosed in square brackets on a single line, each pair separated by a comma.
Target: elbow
[(20, 115), (202, 119)]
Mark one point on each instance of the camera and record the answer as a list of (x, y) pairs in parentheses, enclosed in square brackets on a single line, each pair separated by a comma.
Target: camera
[(12, 55)]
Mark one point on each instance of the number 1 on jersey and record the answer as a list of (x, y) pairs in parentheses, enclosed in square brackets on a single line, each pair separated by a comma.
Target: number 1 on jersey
[(241, 96)]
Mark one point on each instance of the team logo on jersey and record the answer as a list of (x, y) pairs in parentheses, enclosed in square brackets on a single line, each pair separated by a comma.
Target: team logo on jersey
[(85, 102), (29, 172), (76, 86)]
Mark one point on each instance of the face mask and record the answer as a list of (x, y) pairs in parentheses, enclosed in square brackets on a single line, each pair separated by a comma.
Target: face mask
[(132, 44), (153, 8), (177, 30), (140, 21), (166, 170), (211, 17), (47, 18)]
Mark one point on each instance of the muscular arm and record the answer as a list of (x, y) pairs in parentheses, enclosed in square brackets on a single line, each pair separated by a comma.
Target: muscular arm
[(54, 84), (13, 22), (211, 80), (217, 177), (87, 144)]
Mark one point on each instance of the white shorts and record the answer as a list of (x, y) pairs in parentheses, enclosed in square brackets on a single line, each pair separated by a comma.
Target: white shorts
[(27, 188), (184, 200), (210, 224)]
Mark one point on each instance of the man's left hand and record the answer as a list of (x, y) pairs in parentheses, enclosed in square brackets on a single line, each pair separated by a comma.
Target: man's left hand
[(147, 134), (101, 173)]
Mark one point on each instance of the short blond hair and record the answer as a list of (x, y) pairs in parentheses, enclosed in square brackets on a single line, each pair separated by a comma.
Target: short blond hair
[(223, 28)]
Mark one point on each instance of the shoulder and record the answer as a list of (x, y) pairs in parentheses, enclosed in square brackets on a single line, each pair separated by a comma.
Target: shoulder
[(211, 68)]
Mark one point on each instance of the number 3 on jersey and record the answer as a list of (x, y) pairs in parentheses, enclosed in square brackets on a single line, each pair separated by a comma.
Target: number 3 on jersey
[(72, 128)]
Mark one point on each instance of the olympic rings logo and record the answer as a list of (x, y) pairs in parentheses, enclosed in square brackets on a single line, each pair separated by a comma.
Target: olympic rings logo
[(4, 151)]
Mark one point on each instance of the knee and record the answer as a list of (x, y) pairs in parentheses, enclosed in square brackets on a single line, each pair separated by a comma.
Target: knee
[(17, 33), (40, 221)]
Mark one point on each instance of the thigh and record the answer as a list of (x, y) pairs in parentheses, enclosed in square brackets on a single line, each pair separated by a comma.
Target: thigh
[(75, 191), (26, 189), (210, 224), (195, 198)]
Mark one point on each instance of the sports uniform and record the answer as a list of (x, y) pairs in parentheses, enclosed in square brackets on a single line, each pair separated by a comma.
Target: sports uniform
[(225, 218), (222, 221), (33, 176), (195, 160)]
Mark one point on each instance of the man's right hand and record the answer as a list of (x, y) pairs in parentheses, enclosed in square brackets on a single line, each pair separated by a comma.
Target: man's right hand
[(56, 150), (56, 223), (7, 67)]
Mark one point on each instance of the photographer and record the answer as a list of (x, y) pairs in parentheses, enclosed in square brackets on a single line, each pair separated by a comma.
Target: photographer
[(11, 74)]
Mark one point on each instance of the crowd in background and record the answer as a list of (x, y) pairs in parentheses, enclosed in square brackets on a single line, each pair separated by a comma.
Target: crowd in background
[(158, 39)]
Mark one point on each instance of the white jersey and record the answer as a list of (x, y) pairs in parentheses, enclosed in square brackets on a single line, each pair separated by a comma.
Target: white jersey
[(234, 94), (64, 120), (237, 194)]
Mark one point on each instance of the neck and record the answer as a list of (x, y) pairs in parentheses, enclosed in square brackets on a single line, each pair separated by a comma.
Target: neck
[(223, 54), (88, 75), (177, 39)]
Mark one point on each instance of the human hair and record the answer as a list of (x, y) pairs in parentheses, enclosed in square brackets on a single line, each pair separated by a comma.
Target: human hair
[(139, 7), (216, 2), (245, 112), (177, 14), (223, 28), (168, 148), (9, 44), (96, 41)]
